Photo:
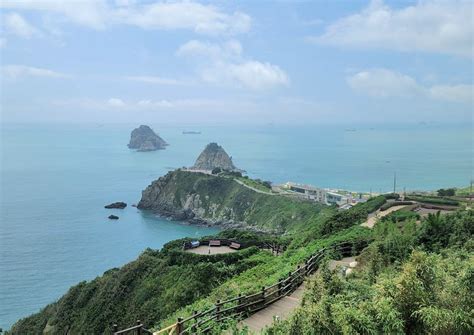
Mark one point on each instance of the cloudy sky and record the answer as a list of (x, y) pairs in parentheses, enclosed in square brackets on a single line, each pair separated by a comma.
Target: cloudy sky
[(227, 61)]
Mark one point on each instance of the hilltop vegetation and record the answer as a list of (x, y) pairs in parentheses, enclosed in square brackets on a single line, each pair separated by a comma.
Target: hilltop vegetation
[(393, 292), (415, 280), (220, 200)]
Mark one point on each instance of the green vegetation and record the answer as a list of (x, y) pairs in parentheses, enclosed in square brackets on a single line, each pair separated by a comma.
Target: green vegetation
[(258, 184), (218, 198), (401, 215), (149, 289), (433, 200), (415, 280), (449, 192), (355, 215), (464, 191), (387, 205)]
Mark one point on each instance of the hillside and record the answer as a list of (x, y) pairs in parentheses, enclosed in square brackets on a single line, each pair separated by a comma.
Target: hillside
[(219, 200), (161, 286)]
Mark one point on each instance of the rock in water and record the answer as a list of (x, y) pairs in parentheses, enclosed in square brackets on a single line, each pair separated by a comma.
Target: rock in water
[(144, 138), (214, 156), (113, 217), (119, 205)]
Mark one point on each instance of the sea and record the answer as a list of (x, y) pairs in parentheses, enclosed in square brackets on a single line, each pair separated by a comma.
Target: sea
[(56, 179)]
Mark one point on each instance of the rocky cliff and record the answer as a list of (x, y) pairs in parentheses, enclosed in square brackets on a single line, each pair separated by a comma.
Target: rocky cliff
[(144, 138), (215, 200), (214, 156)]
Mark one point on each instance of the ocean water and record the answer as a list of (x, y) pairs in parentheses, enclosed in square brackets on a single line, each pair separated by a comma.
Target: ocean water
[(55, 180)]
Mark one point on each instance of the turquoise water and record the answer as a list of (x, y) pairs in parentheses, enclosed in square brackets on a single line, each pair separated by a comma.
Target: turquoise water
[(55, 180)]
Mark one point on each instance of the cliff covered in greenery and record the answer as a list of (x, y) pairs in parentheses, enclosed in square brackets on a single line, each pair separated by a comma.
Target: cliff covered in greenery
[(220, 200), (398, 289)]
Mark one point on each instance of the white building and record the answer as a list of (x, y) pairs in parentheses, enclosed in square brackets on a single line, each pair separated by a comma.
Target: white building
[(317, 194)]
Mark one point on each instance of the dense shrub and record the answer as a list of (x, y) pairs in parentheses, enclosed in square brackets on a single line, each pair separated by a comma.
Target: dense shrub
[(353, 216), (449, 192), (387, 205), (433, 200)]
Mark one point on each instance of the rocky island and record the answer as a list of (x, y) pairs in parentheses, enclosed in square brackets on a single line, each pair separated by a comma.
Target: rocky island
[(116, 205), (214, 156), (144, 138)]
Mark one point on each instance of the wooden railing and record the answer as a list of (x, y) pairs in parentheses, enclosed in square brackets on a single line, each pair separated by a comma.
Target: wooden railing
[(245, 305)]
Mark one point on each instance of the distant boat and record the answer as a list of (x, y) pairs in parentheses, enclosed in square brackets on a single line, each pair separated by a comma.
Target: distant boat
[(191, 132)]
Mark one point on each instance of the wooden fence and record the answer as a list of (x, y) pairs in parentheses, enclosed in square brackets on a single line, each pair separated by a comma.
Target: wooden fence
[(244, 305)]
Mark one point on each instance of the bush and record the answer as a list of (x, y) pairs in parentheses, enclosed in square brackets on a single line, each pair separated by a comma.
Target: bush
[(433, 200), (449, 192), (394, 203)]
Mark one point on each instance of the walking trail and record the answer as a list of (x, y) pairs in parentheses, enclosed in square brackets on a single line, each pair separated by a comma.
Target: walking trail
[(373, 217), (282, 308)]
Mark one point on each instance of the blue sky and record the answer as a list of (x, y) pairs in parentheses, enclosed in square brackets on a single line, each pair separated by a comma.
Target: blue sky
[(226, 61)]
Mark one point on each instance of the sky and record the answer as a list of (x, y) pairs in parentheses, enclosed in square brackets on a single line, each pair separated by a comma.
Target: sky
[(280, 62)]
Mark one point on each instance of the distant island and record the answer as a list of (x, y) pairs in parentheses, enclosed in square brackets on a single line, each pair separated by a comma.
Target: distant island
[(144, 138), (191, 132), (214, 156)]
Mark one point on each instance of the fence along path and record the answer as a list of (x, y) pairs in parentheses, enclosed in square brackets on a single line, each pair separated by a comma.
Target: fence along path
[(243, 306)]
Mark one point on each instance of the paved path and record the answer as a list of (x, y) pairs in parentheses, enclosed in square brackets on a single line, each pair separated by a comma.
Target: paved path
[(283, 308), (373, 217), (252, 188)]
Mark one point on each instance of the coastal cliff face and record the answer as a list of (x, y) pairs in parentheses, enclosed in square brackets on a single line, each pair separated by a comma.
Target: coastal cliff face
[(214, 156), (214, 200), (144, 138)]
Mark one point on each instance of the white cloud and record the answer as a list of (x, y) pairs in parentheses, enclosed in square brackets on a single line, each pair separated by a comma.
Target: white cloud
[(115, 102), (457, 93), (16, 24), (384, 83), (428, 26), (156, 80), (250, 74), (202, 19), (89, 13), (224, 64), (227, 50), (19, 71)]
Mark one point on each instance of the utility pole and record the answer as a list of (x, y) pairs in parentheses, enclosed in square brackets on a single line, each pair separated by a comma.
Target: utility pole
[(394, 182), (470, 193)]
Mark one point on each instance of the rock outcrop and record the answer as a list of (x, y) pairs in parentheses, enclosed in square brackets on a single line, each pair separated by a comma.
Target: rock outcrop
[(200, 198), (118, 205), (144, 138), (113, 217), (214, 156)]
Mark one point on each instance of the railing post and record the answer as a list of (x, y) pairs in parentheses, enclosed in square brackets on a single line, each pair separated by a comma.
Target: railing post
[(179, 326), (139, 329), (239, 303), (194, 327), (280, 282), (218, 310), (263, 295), (115, 328)]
